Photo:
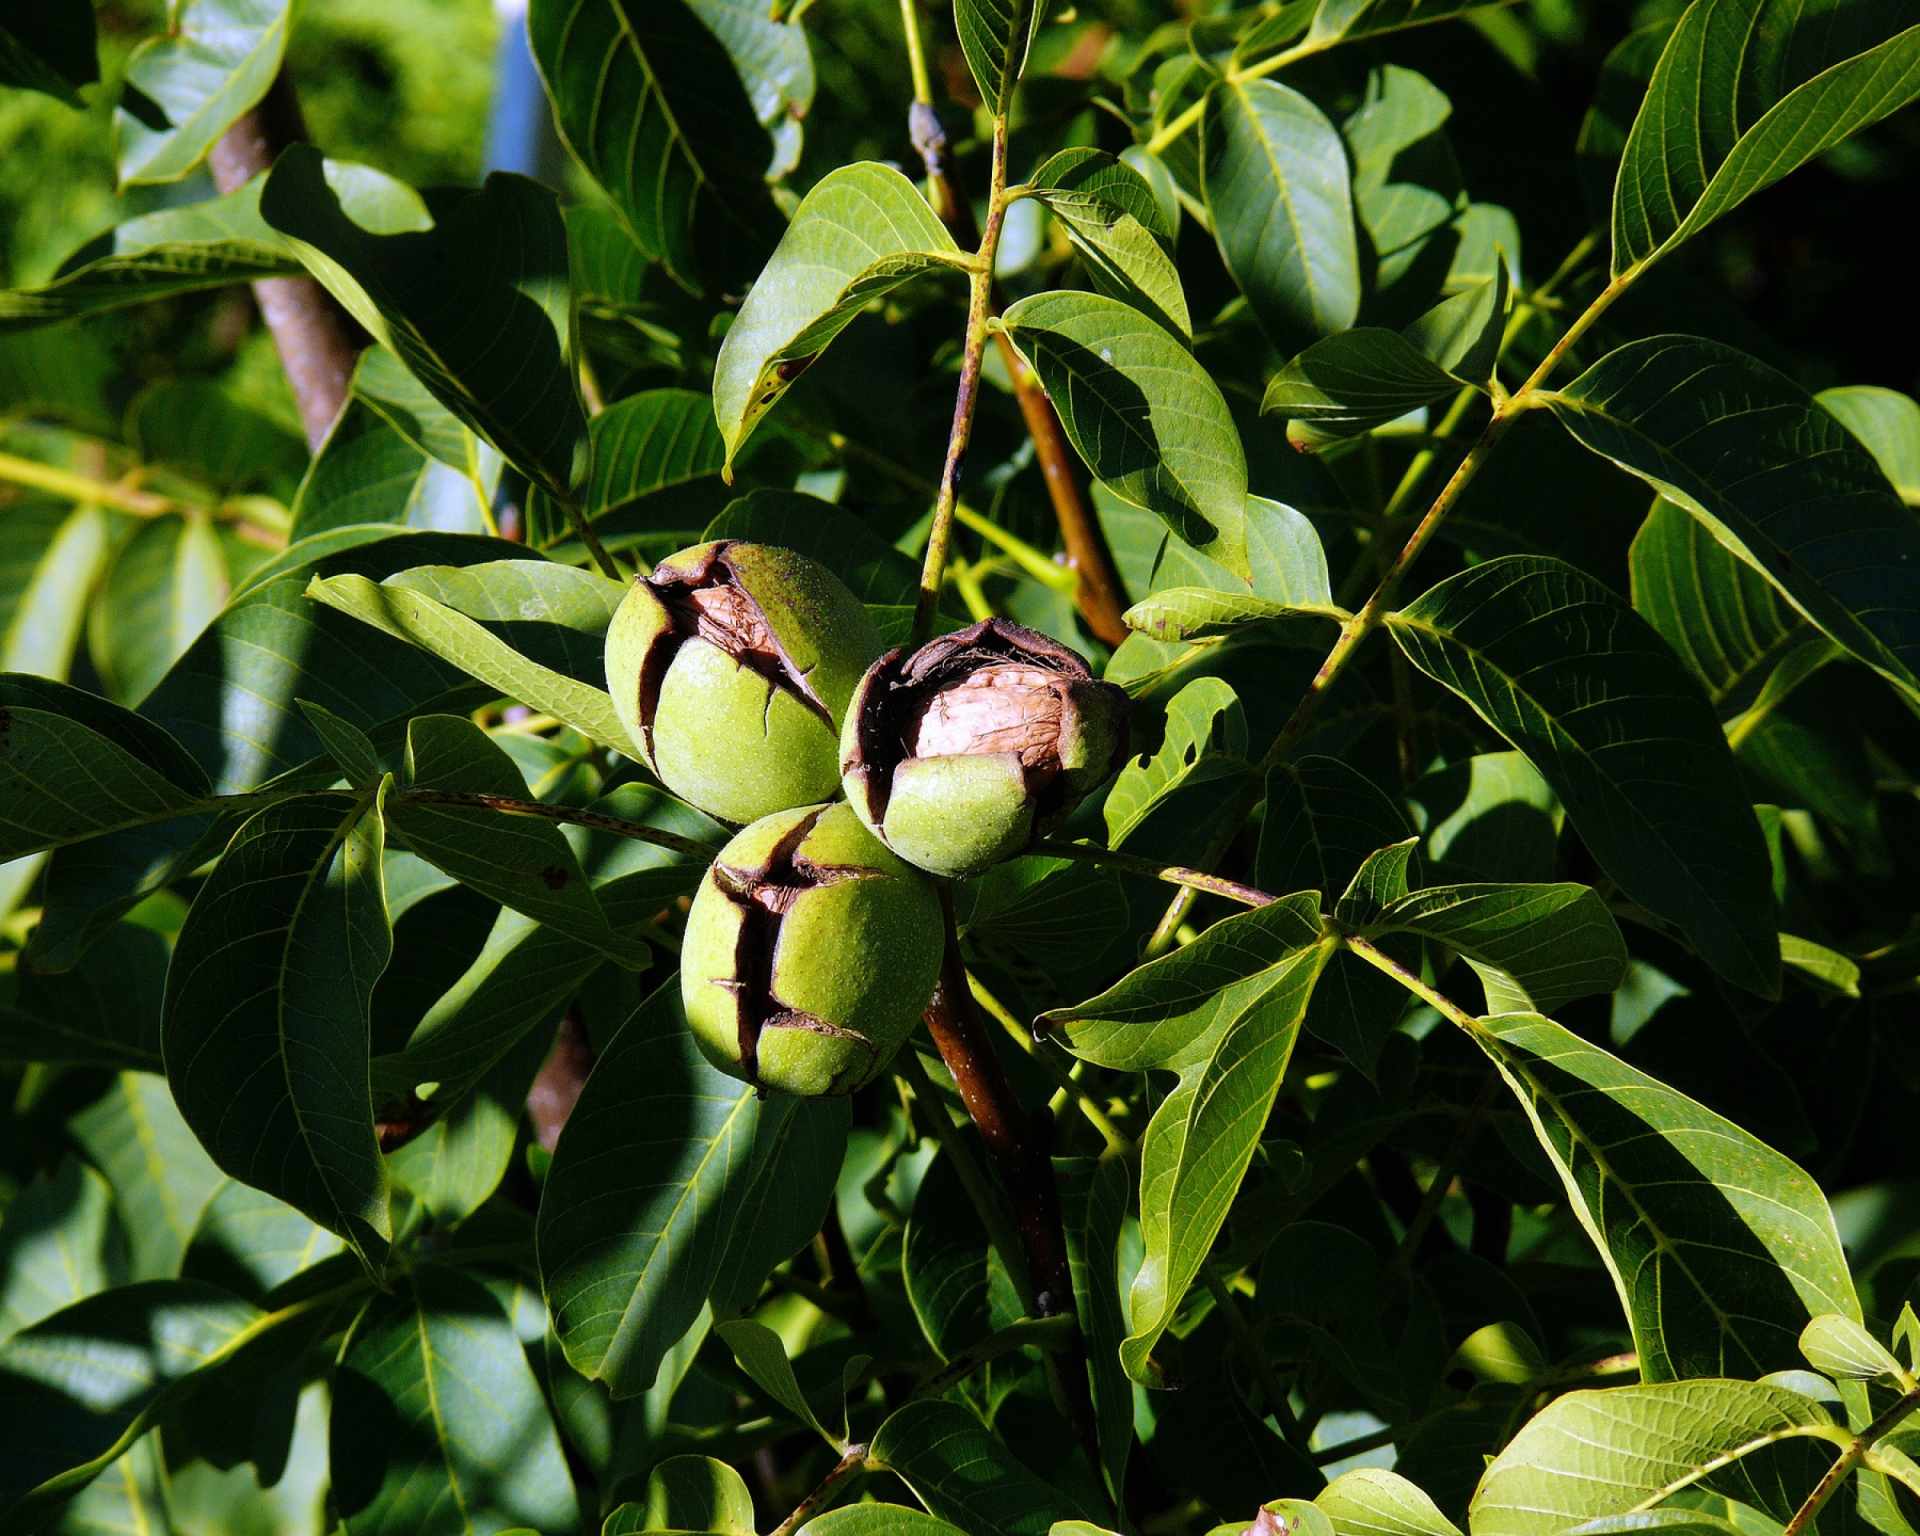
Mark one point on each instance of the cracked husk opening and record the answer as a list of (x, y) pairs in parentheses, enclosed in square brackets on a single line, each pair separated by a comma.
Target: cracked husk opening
[(1006, 707)]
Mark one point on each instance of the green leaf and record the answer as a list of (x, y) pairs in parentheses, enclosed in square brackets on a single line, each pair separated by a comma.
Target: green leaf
[(1838, 1346), (1380, 881), (797, 1156), (1371, 1501), (879, 1520), (60, 1241), (1174, 451), (1744, 94), (653, 444), (161, 1176), (1569, 674), (995, 36), (415, 278), (349, 747), (1199, 613), (266, 1026), (1825, 967), (66, 771), (632, 1229), (650, 102), (249, 1243), (50, 559), (861, 231), (455, 1164), (521, 862), (687, 1496), (1109, 214), (164, 587), (1205, 742), (1590, 1454), (86, 1382), (1093, 1211), (438, 1421), (50, 49), (399, 608), (1721, 616), (1349, 20), (758, 1351), (947, 1267), (214, 61), (1366, 377), (1277, 184), (1772, 476), (964, 1474), (1223, 1012), (105, 1014), (1887, 423), (1719, 1247), (1533, 947)]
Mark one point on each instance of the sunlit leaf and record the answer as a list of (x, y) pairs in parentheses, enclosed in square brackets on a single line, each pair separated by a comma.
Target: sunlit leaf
[(215, 60), (963, 1473), (1143, 414), (995, 36)]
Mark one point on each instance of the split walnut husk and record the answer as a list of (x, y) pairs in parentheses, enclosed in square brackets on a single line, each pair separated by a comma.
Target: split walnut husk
[(961, 753), (731, 666), (810, 953)]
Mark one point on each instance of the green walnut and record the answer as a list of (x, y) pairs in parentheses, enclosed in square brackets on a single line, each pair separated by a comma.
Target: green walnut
[(809, 954), (962, 753), (730, 667)]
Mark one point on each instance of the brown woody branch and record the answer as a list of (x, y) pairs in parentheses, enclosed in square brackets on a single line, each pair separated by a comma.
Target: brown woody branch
[(1098, 593), (1020, 1145), (316, 340)]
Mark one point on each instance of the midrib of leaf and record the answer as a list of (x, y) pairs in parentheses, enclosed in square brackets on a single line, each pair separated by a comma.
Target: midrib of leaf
[(440, 1436), (667, 113), (1481, 661), (688, 1191), (149, 1154), (1286, 195), (1663, 1244)]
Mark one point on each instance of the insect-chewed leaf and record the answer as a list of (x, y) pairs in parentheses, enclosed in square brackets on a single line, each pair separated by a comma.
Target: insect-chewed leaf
[(964, 1473), (1771, 475), (631, 1230), (1533, 947), (214, 62), (1278, 187), (1224, 1013), (417, 276), (435, 1409), (1721, 1248), (860, 232), (1593, 1454), (1569, 674), (1142, 413), (1205, 742), (1746, 91), (266, 1022)]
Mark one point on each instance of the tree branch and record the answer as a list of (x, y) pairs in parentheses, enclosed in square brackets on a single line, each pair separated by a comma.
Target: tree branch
[(854, 1461), (316, 340), (1098, 592)]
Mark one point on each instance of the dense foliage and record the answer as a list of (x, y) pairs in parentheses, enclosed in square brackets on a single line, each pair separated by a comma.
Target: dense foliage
[(1458, 1074)]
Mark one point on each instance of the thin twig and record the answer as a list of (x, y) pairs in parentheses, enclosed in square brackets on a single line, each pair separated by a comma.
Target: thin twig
[(1153, 869), (597, 820), (1847, 1461), (829, 1490)]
